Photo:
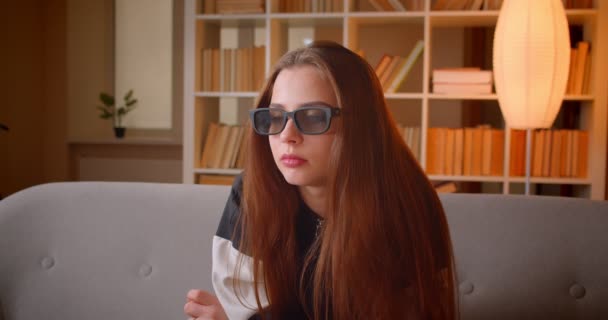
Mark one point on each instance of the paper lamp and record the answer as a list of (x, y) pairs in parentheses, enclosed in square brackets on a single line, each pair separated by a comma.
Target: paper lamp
[(531, 64)]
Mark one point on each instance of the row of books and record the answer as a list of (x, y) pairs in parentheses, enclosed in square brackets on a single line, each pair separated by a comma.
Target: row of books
[(479, 151), (233, 6), (397, 5), (258, 6), (311, 6), (462, 81), (580, 69), (240, 69), (466, 4), (555, 153), (465, 151), (411, 136), (392, 70), (224, 147)]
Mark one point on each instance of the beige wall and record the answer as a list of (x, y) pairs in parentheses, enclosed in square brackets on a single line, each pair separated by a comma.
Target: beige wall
[(90, 64), (33, 90), (57, 56), (90, 53)]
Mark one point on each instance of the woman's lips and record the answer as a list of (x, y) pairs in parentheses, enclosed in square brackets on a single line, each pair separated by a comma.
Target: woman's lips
[(292, 161)]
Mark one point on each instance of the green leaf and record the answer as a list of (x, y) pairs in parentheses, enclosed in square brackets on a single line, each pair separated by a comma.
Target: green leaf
[(105, 112), (131, 102), (106, 99), (129, 95), (122, 111)]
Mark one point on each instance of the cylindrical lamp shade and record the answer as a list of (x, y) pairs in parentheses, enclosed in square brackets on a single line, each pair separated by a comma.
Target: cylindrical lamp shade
[(531, 61)]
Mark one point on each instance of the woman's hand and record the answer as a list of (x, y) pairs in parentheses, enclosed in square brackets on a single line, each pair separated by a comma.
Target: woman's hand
[(202, 305)]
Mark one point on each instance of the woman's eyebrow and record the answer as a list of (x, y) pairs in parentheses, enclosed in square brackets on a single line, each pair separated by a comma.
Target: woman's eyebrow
[(305, 104), (315, 103)]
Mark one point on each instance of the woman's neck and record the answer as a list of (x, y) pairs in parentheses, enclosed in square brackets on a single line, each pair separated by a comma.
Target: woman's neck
[(315, 198)]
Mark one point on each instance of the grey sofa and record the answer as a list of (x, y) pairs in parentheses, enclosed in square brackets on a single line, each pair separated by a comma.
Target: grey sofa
[(103, 250)]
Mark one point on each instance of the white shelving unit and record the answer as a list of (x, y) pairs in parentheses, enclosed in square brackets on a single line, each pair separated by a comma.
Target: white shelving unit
[(377, 33)]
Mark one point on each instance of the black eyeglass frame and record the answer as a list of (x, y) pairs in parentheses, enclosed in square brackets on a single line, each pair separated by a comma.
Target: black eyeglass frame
[(330, 112)]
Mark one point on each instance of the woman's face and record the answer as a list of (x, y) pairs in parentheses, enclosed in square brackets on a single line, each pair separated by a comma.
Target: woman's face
[(302, 159)]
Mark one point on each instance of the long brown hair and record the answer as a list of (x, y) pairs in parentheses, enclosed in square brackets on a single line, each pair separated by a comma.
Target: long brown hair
[(385, 250)]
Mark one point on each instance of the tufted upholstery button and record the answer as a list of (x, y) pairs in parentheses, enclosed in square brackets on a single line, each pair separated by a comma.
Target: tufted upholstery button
[(145, 270), (577, 291), (466, 288), (47, 262)]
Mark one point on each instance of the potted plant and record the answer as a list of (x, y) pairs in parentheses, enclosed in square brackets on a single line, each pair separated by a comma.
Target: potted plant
[(109, 110)]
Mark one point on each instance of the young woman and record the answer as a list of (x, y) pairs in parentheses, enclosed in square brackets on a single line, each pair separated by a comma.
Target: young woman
[(333, 218)]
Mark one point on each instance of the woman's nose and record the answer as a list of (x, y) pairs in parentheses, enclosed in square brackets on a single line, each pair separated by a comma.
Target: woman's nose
[(291, 134)]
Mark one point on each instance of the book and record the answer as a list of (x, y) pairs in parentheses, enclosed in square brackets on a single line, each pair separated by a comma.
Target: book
[(476, 159), (209, 145), (556, 154), (456, 88), (435, 151), (462, 75), (445, 187), (449, 151), (579, 68), (498, 153), (583, 154), (458, 150), (406, 67), (517, 153)]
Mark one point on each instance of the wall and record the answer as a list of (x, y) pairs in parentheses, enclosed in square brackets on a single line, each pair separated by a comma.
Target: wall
[(90, 52), (90, 64), (33, 89)]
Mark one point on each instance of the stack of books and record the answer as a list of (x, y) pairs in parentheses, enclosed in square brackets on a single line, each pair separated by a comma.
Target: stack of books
[(229, 70), (311, 6), (397, 5), (477, 151), (224, 147), (392, 70), (466, 4), (580, 69), (462, 81), (233, 6), (558, 153)]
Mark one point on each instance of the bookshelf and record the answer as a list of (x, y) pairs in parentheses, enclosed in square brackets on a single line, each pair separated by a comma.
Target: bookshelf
[(452, 39)]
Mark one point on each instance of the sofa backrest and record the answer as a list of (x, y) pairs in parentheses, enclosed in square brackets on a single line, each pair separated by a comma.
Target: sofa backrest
[(534, 257), (105, 250), (115, 250)]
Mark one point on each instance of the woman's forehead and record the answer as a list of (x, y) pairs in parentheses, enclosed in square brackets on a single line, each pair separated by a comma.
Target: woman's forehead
[(300, 85)]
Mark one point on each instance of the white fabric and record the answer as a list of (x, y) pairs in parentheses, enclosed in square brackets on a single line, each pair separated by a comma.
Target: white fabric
[(225, 259)]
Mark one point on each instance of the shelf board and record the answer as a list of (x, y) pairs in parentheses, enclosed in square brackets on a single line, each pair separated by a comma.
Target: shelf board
[(579, 97), (467, 178), (500, 179), (309, 19), (578, 16), (470, 18), (403, 95), (208, 94), (548, 180), (218, 171), (487, 18), (306, 15), (384, 18), (493, 96), (234, 20), (441, 96)]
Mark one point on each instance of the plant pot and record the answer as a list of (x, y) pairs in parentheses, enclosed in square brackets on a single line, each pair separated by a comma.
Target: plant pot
[(119, 132)]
